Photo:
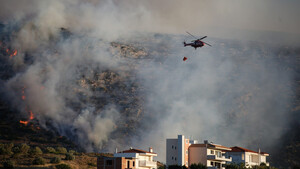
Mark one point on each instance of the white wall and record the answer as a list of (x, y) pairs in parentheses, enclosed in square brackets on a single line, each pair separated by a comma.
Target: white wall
[(172, 150)]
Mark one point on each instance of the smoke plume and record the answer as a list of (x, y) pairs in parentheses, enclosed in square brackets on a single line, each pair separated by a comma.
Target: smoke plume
[(235, 93)]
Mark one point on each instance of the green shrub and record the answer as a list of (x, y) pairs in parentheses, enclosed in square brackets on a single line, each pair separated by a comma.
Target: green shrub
[(8, 164), (63, 166), (198, 166), (55, 160), (22, 149), (61, 150), (35, 151), (50, 150), (39, 161), (70, 156), (6, 149), (72, 151)]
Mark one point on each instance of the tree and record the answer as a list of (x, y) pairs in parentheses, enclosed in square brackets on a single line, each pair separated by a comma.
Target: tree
[(6, 149), (61, 150), (55, 160), (35, 151), (69, 156), (177, 167), (198, 166), (39, 161), (50, 150)]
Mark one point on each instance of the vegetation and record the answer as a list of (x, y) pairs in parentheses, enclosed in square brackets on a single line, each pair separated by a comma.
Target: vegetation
[(9, 164), (55, 160), (39, 161), (61, 150), (63, 166), (50, 150), (35, 151), (21, 149), (70, 156), (6, 149), (177, 167), (198, 166)]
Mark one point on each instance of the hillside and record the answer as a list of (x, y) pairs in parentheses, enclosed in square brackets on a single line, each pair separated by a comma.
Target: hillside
[(93, 95)]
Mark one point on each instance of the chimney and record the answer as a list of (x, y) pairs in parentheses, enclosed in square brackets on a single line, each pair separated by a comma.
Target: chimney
[(150, 150), (205, 141), (116, 150), (130, 148)]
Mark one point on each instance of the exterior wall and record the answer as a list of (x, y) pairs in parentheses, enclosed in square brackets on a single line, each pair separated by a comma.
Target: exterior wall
[(248, 158), (172, 156), (181, 150), (115, 163), (197, 155), (186, 152), (237, 157)]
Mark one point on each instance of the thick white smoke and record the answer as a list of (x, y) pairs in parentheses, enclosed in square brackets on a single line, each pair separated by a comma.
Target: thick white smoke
[(231, 93)]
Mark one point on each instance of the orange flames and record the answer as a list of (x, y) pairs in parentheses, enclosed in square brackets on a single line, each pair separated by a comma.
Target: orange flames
[(24, 122), (10, 53), (31, 116)]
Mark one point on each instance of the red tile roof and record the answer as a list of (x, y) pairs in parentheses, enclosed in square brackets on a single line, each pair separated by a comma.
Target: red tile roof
[(133, 150), (241, 149), (210, 145)]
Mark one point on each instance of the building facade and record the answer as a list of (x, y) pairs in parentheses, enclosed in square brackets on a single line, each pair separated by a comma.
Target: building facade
[(177, 151), (211, 155), (129, 159), (248, 157), (115, 163)]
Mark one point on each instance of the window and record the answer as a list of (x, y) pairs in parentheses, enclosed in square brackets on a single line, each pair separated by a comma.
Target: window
[(172, 146), (175, 158), (133, 163), (212, 152), (243, 156), (212, 163), (186, 141), (187, 152), (128, 164), (172, 157), (175, 147), (108, 162)]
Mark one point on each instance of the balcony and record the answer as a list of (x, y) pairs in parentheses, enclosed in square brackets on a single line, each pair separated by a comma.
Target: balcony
[(215, 157), (145, 163)]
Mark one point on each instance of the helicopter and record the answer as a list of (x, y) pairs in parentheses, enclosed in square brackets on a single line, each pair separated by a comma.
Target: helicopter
[(196, 43)]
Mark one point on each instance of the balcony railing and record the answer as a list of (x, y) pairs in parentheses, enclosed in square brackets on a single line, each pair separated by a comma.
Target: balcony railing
[(145, 163), (215, 157)]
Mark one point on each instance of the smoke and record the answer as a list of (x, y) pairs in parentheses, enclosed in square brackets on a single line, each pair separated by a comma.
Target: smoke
[(233, 93)]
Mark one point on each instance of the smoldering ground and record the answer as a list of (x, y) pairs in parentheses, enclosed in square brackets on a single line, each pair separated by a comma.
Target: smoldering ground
[(235, 93)]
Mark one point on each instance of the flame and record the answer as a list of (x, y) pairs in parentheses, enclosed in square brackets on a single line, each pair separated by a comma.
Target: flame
[(14, 53), (24, 122), (31, 116), (11, 53)]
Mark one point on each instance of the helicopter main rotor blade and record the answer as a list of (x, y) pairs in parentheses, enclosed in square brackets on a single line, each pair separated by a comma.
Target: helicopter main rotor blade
[(207, 44), (202, 37), (191, 35)]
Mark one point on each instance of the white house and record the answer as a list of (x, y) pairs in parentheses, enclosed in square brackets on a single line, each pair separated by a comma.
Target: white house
[(249, 157), (142, 159), (177, 151), (211, 155)]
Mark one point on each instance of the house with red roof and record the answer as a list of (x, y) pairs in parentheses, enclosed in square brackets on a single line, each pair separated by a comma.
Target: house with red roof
[(129, 159), (248, 157), (209, 154)]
